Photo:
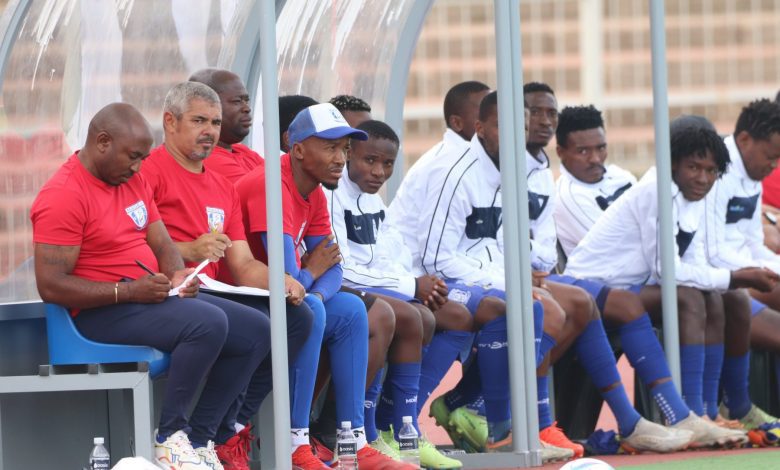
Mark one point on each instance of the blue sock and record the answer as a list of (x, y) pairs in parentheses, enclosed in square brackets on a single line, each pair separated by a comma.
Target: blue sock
[(384, 410), (735, 385), (437, 360), (598, 359), (161, 438), (404, 379), (467, 390), (538, 330), (543, 402), (477, 406), (547, 343), (647, 358), (670, 402), (692, 372), (498, 431), (369, 417), (544, 342), (713, 365), (493, 369)]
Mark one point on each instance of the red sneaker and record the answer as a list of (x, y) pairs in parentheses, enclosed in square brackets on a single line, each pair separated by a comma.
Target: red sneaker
[(321, 450), (554, 435), (232, 454), (371, 459), (247, 439), (304, 458)]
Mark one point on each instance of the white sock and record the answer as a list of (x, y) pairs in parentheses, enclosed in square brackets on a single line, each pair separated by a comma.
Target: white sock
[(300, 437), (360, 436), (239, 427)]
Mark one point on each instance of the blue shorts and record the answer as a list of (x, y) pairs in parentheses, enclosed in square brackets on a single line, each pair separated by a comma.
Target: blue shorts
[(597, 290), (636, 288), (756, 307), (390, 293), (471, 295)]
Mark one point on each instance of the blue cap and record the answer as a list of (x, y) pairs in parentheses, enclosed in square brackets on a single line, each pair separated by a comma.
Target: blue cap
[(324, 121)]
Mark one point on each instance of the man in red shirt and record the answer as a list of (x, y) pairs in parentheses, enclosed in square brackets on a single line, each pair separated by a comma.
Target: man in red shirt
[(202, 213), (230, 158), (95, 225), (318, 138)]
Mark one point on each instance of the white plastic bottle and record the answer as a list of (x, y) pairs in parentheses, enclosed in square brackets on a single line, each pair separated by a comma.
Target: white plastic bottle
[(408, 442), (346, 447), (99, 458)]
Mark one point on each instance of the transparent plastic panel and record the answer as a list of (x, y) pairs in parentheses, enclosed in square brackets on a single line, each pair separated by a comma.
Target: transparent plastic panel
[(71, 58), (331, 47)]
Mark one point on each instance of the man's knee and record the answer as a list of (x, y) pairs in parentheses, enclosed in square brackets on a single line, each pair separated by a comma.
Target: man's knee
[(345, 310), (716, 314), (691, 306), (489, 309), (456, 317), (737, 307), (299, 319), (428, 322), (381, 319), (408, 319), (206, 322), (318, 314), (554, 317), (623, 306), (578, 305)]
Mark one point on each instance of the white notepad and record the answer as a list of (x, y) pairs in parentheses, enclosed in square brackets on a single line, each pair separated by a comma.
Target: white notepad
[(199, 268), (210, 285)]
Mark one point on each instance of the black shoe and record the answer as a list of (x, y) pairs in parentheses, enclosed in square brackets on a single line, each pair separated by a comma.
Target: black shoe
[(324, 428)]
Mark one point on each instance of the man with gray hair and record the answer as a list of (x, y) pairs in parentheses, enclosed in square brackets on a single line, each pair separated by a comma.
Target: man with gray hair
[(202, 212)]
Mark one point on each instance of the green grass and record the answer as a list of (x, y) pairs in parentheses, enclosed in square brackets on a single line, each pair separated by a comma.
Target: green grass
[(746, 461)]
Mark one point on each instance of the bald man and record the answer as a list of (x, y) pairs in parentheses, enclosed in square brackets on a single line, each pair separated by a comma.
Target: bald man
[(230, 158), (95, 226)]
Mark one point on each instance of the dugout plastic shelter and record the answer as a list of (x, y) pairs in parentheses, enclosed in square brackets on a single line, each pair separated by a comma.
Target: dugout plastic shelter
[(62, 60)]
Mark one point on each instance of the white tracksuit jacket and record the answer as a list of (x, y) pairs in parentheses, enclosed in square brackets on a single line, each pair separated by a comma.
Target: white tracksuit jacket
[(461, 219), (405, 210), (581, 204), (373, 255), (541, 206), (734, 237), (622, 250)]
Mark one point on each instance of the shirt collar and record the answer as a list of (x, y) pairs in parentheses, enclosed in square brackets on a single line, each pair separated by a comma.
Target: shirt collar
[(737, 164), (532, 164), (453, 138), (351, 188)]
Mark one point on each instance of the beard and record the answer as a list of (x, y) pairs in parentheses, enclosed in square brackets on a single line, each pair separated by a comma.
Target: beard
[(330, 186)]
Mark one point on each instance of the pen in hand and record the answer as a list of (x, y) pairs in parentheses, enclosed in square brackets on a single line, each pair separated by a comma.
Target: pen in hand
[(145, 267)]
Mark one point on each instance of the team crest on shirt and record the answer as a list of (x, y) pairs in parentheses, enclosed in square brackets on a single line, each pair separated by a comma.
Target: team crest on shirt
[(138, 213), (216, 219), (460, 296)]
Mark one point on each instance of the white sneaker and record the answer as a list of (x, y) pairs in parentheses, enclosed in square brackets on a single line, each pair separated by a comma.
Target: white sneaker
[(653, 437), (176, 453), (708, 434), (550, 453), (208, 456)]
